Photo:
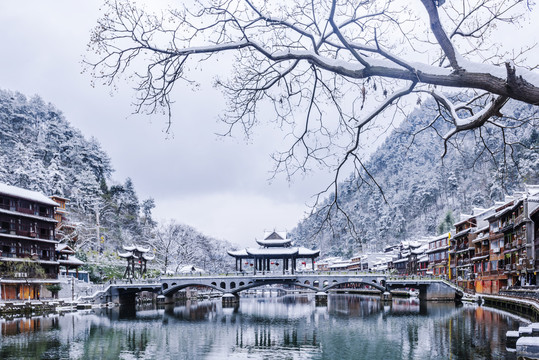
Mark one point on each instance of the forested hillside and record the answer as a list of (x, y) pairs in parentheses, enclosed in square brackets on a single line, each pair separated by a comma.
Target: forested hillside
[(420, 189), (40, 150)]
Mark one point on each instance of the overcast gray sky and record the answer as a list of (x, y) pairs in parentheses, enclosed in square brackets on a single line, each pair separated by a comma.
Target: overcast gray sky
[(218, 185)]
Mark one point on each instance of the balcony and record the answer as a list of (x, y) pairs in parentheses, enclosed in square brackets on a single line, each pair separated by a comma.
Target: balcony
[(25, 211), (23, 233), (507, 227)]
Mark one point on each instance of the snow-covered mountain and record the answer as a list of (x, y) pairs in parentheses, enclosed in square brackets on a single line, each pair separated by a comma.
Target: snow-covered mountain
[(420, 188), (40, 150)]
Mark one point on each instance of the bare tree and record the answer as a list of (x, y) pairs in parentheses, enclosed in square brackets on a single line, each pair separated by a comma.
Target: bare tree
[(166, 242), (328, 69)]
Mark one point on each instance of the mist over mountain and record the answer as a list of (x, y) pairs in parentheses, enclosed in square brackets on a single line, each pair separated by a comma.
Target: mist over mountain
[(420, 188)]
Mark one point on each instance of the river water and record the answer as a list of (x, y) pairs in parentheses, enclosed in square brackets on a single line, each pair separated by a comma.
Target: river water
[(289, 327)]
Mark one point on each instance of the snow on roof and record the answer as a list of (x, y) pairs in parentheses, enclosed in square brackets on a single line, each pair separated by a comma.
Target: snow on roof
[(64, 248), (400, 260), (420, 250), (126, 255), (342, 265), (242, 253), (148, 257), (273, 251), (274, 243), (26, 194), (439, 237), (71, 261), (137, 247), (59, 198), (274, 235), (190, 268)]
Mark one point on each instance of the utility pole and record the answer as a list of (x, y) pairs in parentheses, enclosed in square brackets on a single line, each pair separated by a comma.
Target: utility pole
[(449, 253), (97, 226)]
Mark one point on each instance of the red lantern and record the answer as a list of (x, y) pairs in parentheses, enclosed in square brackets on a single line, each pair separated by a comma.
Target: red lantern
[(272, 263), (251, 264), (246, 263)]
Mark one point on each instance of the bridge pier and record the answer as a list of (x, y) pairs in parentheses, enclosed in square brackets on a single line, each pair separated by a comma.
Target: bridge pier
[(321, 298), (162, 299), (230, 300), (386, 296)]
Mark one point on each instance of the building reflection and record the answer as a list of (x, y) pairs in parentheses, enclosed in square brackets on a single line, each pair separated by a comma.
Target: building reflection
[(28, 325), (354, 305)]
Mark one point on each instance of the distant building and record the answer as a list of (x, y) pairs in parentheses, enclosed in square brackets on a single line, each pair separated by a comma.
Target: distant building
[(27, 243), (438, 253)]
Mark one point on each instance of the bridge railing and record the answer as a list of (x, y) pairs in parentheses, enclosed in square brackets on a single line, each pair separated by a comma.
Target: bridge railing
[(271, 274), (301, 273)]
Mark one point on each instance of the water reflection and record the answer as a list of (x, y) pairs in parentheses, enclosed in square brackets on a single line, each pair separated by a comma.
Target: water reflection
[(290, 327)]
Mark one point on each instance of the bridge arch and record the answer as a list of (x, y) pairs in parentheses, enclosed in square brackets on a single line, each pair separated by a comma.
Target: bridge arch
[(174, 289), (373, 284), (252, 285)]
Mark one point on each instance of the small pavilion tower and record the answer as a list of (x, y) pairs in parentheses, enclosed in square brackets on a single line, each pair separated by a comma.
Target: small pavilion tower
[(135, 254)]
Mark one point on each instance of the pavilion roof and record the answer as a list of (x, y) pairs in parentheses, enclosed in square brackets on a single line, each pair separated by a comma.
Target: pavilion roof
[(138, 248), (275, 252), (274, 243), (65, 249), (73, 261)]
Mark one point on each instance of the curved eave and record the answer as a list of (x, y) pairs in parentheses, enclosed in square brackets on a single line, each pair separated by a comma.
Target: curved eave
[(148, 257), (71, 261), (136, 247), (273, 252), (274, 243), (125, 255), (308, 253), (238, 253)]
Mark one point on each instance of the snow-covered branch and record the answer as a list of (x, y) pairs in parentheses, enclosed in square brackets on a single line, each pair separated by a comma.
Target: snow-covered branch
[(321, 59)]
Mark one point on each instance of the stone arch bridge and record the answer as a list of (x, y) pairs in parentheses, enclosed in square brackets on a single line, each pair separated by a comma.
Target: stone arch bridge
[(429, 288)]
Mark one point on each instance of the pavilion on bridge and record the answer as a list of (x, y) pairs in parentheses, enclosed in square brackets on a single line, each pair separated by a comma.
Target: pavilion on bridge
[(273, 248)]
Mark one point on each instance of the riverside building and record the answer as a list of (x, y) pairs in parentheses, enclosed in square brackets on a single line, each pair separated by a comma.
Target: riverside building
[(28, 259)]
